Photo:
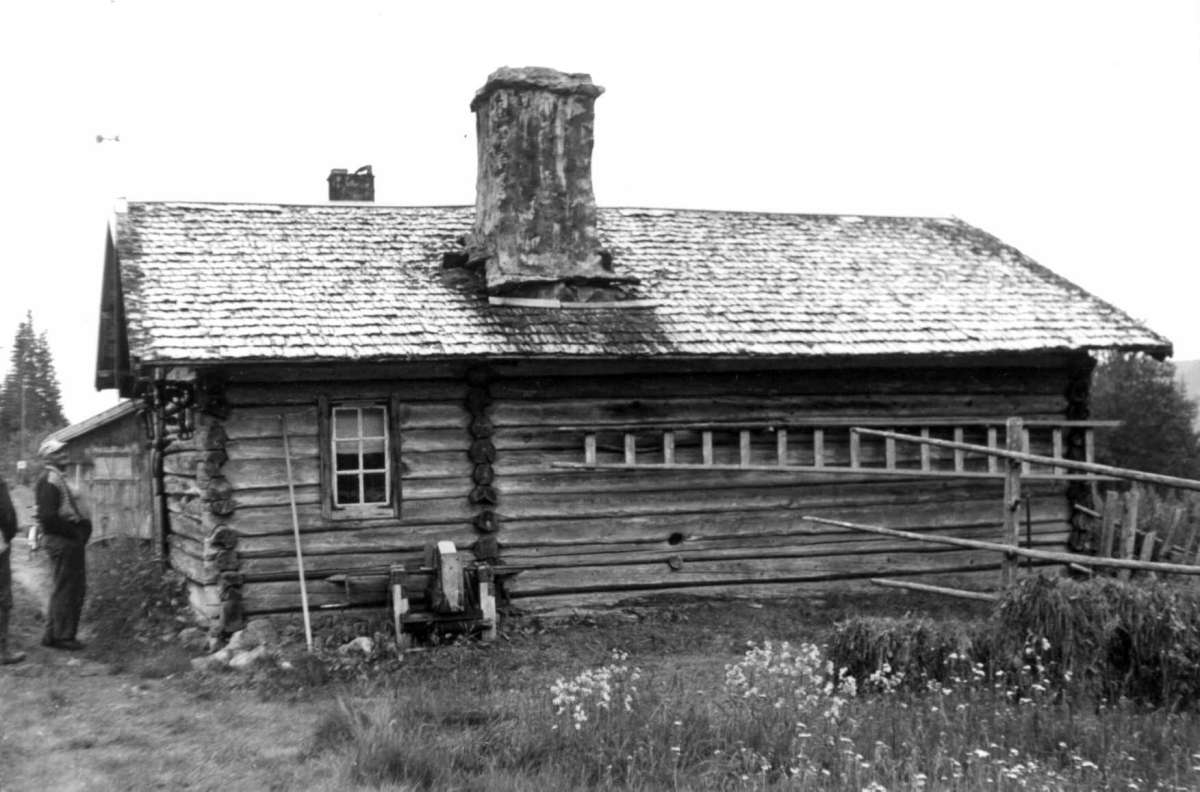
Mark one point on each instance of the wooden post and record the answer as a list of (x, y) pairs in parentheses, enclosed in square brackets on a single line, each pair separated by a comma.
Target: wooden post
[(1147, 552), (630, 448), (1168, 546), (1026, 467), (960, 456), (744, 448), (889, 453), (1108, 522), (781, 448), (855, 450), (668, 448), (1129, 526), (589, 449), (399, 606), (818, 448), (487, 603), (926, 455), (1014, 433), (991, 443), (1089, 445), (1056, 444), (706, 452)]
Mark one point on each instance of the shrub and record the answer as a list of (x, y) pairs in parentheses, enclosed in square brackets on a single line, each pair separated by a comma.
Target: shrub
[(904, 652), (131, 600), (1135, 639), (1103, 637)]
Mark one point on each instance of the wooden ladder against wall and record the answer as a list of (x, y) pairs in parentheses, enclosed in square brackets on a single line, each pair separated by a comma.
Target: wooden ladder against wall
[(816, 436)]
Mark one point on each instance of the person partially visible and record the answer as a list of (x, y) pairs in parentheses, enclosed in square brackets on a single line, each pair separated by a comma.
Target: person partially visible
[(8, 529), (64, 532)]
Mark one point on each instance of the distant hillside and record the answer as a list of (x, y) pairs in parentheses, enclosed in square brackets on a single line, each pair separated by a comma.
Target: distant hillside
[(1189, 375)]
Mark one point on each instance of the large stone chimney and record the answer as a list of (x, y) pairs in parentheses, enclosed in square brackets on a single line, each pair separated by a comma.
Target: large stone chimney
[(535, 214)]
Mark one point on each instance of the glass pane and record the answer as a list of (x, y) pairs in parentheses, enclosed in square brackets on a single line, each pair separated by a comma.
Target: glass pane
[(345, 422), (373, 455), (347, 489), (347, 456), (372, 422), (374, 488)]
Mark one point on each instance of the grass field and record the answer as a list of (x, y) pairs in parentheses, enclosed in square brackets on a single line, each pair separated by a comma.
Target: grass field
[(673, 694)]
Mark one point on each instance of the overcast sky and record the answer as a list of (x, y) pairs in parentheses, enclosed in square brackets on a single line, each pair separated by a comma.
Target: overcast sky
[(1071, 130)]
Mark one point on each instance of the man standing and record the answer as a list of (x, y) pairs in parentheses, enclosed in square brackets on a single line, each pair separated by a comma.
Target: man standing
[(8, 529), (65, 532)]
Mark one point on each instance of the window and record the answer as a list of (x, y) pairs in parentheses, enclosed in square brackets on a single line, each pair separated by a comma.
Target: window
[(358, 460)]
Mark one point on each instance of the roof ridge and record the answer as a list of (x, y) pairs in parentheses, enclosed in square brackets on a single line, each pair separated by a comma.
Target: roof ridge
[(375, 205)]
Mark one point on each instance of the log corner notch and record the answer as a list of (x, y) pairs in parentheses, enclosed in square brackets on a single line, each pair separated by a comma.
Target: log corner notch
[(482, 453), (221, 560)]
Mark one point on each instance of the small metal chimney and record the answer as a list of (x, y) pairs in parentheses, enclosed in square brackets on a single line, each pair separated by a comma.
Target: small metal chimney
[(357, 186)]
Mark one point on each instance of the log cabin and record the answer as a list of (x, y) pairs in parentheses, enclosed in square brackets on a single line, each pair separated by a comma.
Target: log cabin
[(606, 401)]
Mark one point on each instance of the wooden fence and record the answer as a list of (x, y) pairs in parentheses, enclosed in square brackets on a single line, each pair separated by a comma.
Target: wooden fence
[(1125, 537)]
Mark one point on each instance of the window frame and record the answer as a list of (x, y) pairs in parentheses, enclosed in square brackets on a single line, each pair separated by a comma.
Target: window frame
[(330, 509)]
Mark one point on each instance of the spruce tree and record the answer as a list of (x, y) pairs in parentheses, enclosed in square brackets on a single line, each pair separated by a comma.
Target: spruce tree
[(30, 402)]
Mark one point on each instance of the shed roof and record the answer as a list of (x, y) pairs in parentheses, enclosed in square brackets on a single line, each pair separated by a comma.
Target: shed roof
[(217, 282), (98, 421)]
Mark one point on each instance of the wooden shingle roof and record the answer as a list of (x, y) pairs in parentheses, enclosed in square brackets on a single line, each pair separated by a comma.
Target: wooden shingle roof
[(209, 283)]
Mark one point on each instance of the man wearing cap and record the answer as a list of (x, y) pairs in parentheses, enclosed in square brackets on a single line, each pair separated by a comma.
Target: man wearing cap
[(8, 529), (65, 532)]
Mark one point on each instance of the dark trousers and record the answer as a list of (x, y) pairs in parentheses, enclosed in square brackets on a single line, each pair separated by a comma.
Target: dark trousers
[(68, 567), (6, 599)]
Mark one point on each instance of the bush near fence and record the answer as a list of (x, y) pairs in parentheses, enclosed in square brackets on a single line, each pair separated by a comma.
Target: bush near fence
[(1106, 638)]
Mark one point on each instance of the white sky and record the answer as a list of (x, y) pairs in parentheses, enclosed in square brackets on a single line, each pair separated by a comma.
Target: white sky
[(1068, 129)]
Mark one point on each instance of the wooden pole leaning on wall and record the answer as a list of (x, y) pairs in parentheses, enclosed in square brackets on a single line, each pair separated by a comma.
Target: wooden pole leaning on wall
[(1014, 435), (287, 458)]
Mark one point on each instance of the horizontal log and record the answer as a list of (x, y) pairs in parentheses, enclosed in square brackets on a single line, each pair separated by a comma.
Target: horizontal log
[(749, 549), (192, 567), (539, 582), (698, 526), (1012, 382), (263, 422), (290, 374), (266, 519), (390, 539), (259, 473), (269, 597), (188, 526), (919, 365), (596, 413), (305, 393), (323, 565), (272, 447)]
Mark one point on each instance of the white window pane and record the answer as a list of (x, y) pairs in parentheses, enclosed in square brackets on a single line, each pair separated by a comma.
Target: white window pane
[(372, 422), (345, 422)]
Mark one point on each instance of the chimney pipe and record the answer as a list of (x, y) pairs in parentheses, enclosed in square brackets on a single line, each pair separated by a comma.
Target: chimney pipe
[(357, 186), (535, 213)]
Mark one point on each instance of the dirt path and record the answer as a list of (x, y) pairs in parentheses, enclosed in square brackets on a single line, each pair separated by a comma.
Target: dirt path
[(67, 722)]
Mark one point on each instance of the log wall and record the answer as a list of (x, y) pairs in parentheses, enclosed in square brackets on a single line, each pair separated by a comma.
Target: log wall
[(580, 534)]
